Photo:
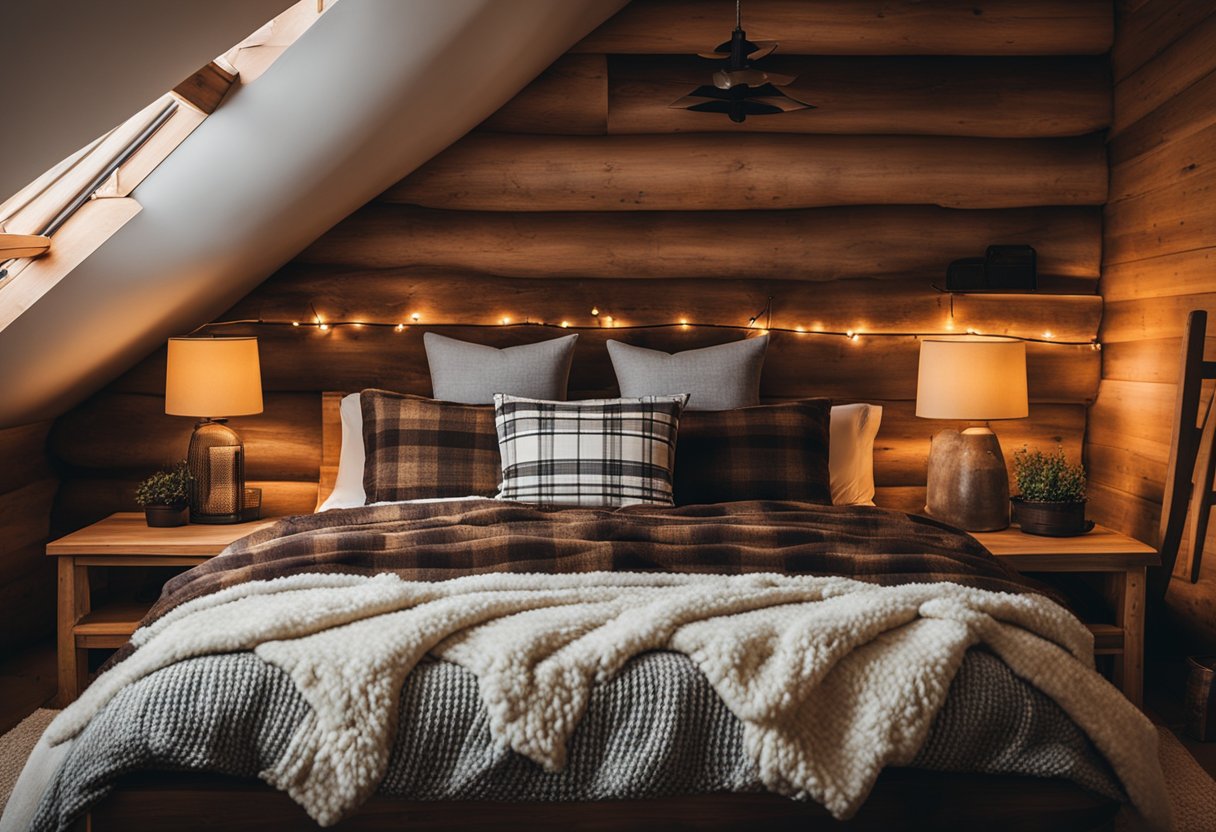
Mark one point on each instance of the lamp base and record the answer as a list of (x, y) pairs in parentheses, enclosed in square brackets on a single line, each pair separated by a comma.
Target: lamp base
[(217, 473), (968, 485)]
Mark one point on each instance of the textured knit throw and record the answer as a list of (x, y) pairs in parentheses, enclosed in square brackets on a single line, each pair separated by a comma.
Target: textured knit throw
[(832, 679)]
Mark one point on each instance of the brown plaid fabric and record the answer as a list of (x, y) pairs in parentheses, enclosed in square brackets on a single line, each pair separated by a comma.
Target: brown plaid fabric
[(418, 448), (436, 541), (766, 452)]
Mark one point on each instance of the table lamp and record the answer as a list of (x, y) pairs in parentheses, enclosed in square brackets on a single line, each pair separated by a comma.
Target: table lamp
[(974, 378), (210, 379)]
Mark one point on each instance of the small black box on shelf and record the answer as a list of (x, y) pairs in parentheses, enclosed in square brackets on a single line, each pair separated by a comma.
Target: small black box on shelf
[(1005, 268)]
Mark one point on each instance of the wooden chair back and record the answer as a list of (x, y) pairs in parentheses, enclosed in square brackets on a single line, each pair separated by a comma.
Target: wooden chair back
[(1189, 479)]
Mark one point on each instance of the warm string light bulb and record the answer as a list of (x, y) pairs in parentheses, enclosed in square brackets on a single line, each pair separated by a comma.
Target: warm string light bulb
[(683, 322)]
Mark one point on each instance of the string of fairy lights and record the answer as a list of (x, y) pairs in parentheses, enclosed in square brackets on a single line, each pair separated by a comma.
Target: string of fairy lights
[(759, 323)]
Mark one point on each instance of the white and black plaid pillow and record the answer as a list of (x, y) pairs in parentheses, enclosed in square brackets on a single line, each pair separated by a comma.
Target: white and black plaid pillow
[(598, 452)]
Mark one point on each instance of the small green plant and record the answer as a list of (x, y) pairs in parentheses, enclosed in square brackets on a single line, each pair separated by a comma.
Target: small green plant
[(1048, 478), (166, 488)]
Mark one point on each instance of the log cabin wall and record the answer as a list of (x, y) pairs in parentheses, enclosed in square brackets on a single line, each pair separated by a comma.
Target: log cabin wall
[(942, 127), (27, 577), (1159, 262)]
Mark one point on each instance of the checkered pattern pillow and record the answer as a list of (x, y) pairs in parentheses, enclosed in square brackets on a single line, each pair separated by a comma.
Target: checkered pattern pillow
[(766, 452), (418, 448), (598, 452)]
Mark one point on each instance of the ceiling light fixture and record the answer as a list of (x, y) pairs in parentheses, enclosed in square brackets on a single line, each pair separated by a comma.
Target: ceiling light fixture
[(739, 89)]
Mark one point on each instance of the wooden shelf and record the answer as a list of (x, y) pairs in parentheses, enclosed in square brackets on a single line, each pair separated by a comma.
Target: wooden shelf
[(110, 626), (1108, 639)]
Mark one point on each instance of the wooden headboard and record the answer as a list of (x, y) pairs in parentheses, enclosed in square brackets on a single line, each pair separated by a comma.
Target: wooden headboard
[(331, 443)]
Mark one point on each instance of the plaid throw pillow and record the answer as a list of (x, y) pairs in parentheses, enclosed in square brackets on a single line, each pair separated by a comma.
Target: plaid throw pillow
[(418, 448), (598, 452), (766, 452)]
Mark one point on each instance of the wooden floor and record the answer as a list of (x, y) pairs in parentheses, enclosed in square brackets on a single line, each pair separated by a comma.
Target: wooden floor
[(27, 682)]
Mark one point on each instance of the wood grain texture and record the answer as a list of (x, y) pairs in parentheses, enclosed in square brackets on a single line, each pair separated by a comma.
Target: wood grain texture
[(863, 27), (1154, 359), (206, 88), (22, 455), (939, 96), (1188, 59), (1190, 111), (1176, 273), (569, 98), (797, 365), (28, 485), (1175, 217), (128, 534), (908, 304), (716, 172), (1151, 318), (84, 500), (280, 443), (814, 244), (1184, 159), (1159, 236), (1151, 28)]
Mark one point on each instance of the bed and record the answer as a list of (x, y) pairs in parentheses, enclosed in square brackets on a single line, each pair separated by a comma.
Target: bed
[(182, 742)]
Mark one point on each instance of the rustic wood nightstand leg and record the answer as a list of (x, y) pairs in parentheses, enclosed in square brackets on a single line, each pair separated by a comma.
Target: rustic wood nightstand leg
[(73, 605), (1129, 614)]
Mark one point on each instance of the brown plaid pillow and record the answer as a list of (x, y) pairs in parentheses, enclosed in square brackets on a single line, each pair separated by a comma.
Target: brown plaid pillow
[(418, 448), (766, 452)]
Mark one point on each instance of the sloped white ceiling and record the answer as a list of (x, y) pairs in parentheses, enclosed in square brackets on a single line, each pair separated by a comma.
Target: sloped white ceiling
[(73, 69), (370, 92)]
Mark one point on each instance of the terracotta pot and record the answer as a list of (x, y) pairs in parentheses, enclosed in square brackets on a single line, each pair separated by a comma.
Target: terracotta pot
[(163, 517), (1051, 519)]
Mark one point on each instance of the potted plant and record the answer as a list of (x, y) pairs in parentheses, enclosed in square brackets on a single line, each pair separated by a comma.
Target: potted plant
[(165, 496), (1052, 494)]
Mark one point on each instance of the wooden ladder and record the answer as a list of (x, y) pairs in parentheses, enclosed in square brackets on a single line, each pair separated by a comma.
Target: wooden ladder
[(1189, 479)]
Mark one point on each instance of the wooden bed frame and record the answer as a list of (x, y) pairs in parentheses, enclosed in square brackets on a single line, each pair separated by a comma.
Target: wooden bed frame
[(903, 799)]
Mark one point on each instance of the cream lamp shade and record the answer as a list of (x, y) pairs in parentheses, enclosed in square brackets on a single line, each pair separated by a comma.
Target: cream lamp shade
[(213, 377), (972, 377)]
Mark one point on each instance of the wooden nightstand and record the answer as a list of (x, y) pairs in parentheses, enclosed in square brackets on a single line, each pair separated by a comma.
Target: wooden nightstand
[(122, 539), (1122, 559)]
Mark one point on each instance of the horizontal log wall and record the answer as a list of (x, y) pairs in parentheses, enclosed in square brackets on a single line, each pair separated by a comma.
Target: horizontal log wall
[(941, 128), (1159, 263), (27, 577)]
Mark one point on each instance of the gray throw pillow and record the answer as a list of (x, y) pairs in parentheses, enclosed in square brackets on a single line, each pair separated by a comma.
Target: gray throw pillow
[(473, 373), (716, 378)]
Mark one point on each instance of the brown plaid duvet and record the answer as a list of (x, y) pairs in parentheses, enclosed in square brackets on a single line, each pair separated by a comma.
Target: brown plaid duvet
[(435, 541)]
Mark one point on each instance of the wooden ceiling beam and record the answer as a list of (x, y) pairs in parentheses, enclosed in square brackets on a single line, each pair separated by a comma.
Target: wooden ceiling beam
[(23, 245), (206, 88)]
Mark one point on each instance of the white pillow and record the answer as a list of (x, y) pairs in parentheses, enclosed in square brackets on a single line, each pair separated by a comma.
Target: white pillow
[(348, 488), (851, 457)]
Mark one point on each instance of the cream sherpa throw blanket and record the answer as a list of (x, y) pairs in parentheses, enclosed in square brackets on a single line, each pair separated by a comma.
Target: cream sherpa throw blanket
[(832, 678)]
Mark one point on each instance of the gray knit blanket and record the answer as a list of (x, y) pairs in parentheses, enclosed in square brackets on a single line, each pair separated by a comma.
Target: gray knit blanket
[(657, 728)]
